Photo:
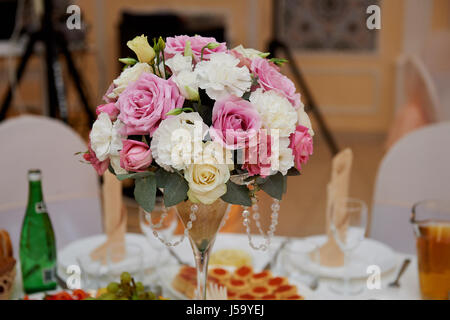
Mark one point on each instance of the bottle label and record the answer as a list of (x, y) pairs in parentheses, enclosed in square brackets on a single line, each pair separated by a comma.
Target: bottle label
[(40, 207), (48, 275)]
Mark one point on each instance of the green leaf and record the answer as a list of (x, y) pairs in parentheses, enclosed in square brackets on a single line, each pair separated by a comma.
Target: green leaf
[(175, 189), (279, 61), (237, 194), (145, 192), (293, 172), (264, 54), (274, 186), (161, 177), (136, 175)]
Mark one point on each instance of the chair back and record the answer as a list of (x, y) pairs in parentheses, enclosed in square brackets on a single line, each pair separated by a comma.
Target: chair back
[(415, 169), (71, 188)]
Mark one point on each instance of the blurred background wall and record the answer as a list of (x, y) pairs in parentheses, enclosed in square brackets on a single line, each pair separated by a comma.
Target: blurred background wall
[(355, 89)]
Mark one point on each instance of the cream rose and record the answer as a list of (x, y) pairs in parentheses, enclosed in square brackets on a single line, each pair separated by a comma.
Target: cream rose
[(207, 179), (142, 48), (127, 77)]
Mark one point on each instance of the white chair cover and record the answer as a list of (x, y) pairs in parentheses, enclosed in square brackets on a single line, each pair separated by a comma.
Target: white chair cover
[(71, 188), (416, 168)]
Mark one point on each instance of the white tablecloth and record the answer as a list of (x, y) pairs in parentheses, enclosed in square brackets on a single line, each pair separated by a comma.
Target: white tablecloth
[(409, 289)]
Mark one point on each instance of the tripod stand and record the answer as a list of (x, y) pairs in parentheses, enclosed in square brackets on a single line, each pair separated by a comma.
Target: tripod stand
[(277, 45), (54, 42)]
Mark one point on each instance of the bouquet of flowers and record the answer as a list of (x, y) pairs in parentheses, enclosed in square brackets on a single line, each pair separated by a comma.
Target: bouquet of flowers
[(201, 122)]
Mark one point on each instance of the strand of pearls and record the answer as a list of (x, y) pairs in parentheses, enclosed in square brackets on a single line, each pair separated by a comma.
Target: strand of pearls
[(256, 216), (192, 218)]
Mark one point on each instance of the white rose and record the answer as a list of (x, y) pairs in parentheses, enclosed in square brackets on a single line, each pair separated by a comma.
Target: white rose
[(275, 110), (105, 137), (207, 180), (177, 140), (303, 119), (249, 52), (179, 63), (282, 158), (221, 76), (127, 77)]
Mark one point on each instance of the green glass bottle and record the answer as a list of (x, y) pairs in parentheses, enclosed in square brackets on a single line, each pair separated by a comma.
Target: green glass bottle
[(37, 241)]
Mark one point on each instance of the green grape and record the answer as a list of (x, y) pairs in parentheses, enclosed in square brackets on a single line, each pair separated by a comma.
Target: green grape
[(113, 287), (107, 296), (125, 277), (140, 287), (151, 296)]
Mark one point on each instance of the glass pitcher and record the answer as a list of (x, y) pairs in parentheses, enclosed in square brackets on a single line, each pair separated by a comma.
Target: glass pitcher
[(431, 223)]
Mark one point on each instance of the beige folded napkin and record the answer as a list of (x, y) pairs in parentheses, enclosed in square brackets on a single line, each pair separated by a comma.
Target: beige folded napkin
[(115, 221), (337, 190)]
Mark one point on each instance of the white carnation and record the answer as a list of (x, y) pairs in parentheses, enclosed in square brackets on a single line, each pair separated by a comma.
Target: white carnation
[(105, 137), (282, 158), (127, 77), (275, 110), (179, 63), (248, 52), (178, 140), (220, 76), (303, 119)]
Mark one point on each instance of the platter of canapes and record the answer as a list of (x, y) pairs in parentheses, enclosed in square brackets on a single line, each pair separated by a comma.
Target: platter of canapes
[(242, 283)]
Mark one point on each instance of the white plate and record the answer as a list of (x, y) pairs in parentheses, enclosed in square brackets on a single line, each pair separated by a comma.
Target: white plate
[(68, 255), (369, 252), (169, 273)]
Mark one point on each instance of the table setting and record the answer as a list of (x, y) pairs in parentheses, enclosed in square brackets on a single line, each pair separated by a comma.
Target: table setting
[(202, 131)]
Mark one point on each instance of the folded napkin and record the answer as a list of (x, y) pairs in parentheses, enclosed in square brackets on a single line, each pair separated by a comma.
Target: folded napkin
[(337, 190), (115, 221)]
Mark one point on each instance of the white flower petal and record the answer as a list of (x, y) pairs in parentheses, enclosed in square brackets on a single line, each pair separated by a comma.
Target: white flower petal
[(220, 76)]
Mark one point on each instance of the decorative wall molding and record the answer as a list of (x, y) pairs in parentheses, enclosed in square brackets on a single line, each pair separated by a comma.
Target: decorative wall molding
[(357, 110)]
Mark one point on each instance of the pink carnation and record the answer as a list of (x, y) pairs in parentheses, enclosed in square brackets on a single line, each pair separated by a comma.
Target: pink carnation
[(99, 166), (270, 78), (110, 109), (234, 119), (257, 155), (301, 145), (177, 44), (135, 156), (145, 103)]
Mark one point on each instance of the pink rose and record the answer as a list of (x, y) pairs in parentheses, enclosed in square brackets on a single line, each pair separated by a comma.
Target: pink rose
[(177, 44), (99, 166), (145, 103), (135, 156), (108, 92), (257, 155), (234, 119), (301, 145), (270, 78), (110, 109)]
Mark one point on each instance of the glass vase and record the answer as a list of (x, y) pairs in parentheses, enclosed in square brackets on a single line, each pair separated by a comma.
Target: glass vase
[(203, 222)]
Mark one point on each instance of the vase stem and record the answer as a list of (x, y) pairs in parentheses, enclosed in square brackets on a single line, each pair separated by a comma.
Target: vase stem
[(201, 262)]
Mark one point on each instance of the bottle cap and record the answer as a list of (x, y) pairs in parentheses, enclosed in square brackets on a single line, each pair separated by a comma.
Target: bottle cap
[(34, 175)]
